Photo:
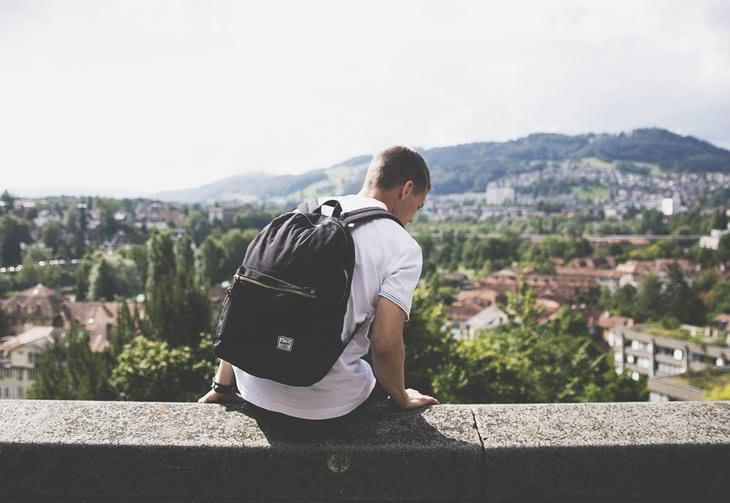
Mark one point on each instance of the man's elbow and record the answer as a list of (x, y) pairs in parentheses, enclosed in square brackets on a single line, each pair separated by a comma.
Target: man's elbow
[(385, 347)]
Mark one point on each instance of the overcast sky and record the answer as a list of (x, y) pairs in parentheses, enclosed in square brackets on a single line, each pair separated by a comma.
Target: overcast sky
[(151, 95)]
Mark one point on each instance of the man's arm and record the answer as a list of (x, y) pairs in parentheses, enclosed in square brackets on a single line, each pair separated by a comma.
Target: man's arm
[(388, 352)]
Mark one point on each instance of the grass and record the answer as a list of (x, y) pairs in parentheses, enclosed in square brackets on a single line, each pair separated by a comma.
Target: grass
[(707, 379), (594, 162), (592, 192), (676, 333)]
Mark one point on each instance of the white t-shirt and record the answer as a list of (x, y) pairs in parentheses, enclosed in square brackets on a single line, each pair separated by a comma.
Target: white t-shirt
[(388, 263)]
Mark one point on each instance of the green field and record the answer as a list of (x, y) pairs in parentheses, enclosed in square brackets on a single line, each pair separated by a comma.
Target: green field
[(594, 192)]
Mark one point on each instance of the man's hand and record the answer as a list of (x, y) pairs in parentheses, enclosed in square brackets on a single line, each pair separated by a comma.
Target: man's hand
[(213, 397), (414, 399)]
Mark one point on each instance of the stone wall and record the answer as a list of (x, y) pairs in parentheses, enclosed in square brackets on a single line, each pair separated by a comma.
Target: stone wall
[(145, 452)]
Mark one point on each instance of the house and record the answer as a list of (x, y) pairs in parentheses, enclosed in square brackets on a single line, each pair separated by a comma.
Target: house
[(36, 306), (41, 306), (18, 358), (490, 317), (686, 387), (656, 352)]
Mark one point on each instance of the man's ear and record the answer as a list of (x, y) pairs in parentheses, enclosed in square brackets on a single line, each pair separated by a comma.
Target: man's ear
[(407, 188)]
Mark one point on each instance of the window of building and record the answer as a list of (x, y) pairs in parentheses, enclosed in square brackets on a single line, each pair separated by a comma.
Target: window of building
[(20, 392)]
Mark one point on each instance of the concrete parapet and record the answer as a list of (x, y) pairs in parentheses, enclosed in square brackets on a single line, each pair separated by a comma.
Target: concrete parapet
[(144, 452)]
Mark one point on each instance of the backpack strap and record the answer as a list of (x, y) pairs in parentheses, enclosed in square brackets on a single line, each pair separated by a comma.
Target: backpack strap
[(364, 215), (308, 206), (311, 206)]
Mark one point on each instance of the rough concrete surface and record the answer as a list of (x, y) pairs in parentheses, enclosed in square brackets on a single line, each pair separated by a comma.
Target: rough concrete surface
[(130, 451), (144, 452)]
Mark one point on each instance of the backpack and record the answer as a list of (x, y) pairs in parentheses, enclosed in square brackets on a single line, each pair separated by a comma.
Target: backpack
[(283, 314)]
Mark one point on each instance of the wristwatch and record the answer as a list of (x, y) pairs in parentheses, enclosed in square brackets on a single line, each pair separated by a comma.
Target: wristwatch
[(222, 388)]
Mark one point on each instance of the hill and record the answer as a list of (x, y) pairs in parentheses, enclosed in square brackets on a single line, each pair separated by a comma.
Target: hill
[(469, 167)]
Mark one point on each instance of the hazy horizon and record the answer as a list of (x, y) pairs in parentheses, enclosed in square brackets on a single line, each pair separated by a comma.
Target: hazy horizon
[(143, 97)]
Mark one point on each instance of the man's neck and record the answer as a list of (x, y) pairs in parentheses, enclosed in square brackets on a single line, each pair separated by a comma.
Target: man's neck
[(378, 195)]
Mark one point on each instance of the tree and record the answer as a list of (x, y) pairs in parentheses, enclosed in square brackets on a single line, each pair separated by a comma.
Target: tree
[(102, 284), (13, 232), (652, 222), (234, 244), (123, 332), (427, 342), (526, 362), (650, 300), (4, 324), (52, 235), (7, 200), (680, 301), (150, 370), (190, 298), (198, 226), (719, 298), (160, 306), (69, 370), (723, 250), (211, 259), (113, 276)]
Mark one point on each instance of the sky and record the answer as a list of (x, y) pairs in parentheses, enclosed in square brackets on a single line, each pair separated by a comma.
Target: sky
[(142, 96)]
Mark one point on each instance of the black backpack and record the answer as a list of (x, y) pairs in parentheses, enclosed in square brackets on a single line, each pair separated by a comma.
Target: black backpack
[(283, 314)]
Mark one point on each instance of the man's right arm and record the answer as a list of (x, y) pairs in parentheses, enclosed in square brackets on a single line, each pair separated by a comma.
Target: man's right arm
[(388, 353)]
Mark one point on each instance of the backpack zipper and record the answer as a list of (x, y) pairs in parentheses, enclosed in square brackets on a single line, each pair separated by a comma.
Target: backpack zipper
[(309, 293)]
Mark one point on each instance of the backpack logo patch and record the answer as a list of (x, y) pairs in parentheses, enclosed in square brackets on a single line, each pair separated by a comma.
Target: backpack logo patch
[(285, 343)]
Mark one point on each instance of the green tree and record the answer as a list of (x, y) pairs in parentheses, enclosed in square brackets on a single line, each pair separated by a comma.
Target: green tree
[(149, 370), (211, 260), (7, 200), (108, 226), (160, 307), (719, 298), (198, 226), (427, 342), (723, 250), (190, 298), (13, 232), (102, 284), (4, 324), (113, 276), (681, 301), (69, 370), (123, 332), (52, 235), (523, 361), (234, 244), (650, 299)]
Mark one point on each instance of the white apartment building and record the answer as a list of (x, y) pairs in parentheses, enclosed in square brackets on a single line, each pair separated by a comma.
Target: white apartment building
[(18, 358)]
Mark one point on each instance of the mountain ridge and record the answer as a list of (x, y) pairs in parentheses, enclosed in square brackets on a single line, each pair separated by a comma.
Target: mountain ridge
[(468, 167)]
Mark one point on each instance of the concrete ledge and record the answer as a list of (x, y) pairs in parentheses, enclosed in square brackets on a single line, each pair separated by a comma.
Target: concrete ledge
[(126, 451)]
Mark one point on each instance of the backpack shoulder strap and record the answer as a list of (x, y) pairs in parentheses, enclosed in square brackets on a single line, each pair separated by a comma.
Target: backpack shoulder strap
[(364, 215), (308, 206)]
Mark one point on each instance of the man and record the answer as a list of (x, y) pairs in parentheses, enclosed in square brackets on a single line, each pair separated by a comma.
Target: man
[(387, 268)]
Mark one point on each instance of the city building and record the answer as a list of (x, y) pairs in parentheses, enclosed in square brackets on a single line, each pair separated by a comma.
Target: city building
[(712, 242), (18, 358), (656, 352), (499, 194), (686, 387)]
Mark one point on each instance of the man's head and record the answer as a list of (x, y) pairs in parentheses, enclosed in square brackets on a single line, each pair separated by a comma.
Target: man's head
[(399, 177)]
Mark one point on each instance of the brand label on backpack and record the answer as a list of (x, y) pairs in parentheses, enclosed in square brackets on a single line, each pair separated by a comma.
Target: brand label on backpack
[(284, 343)]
